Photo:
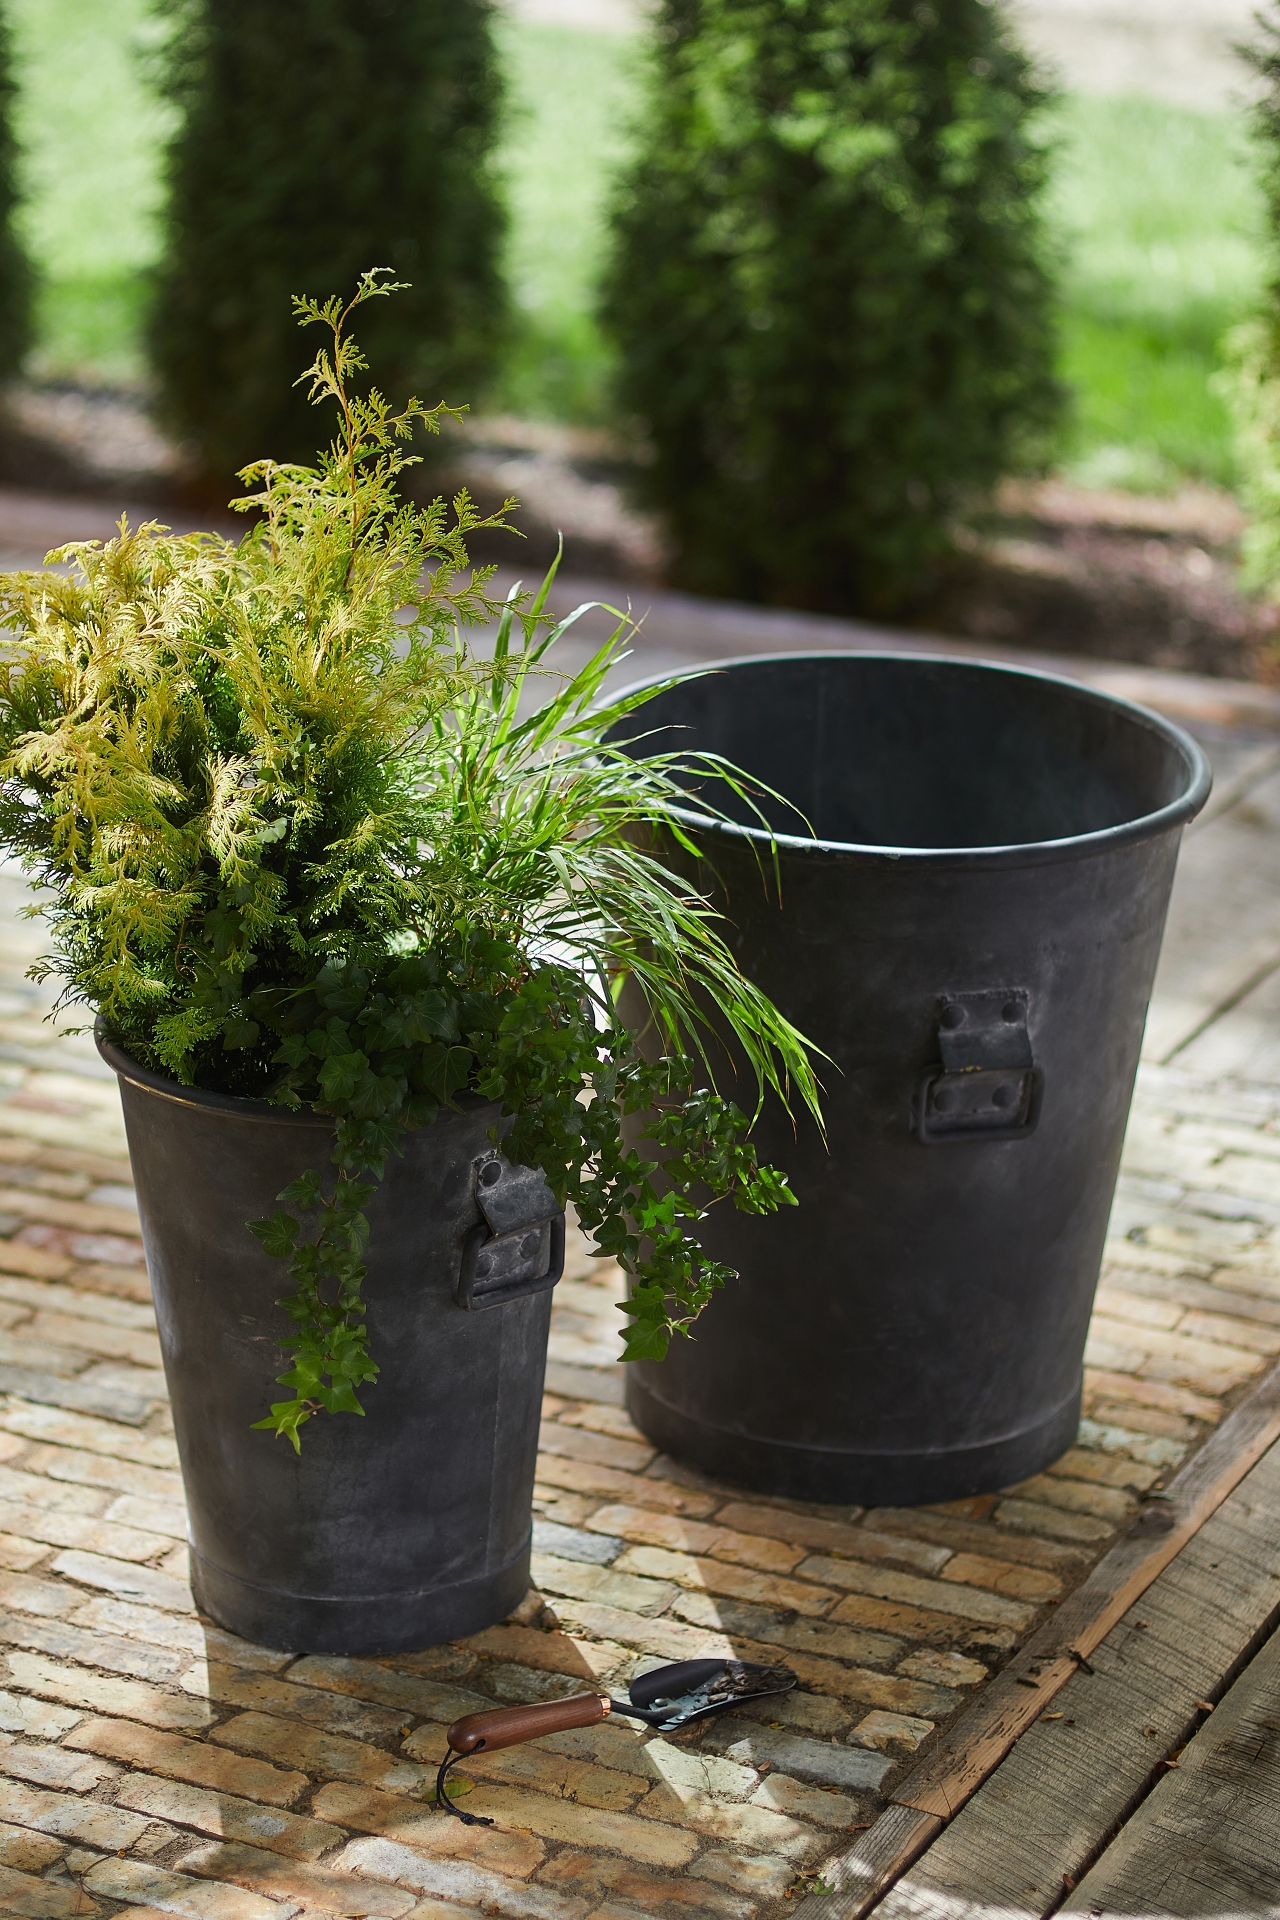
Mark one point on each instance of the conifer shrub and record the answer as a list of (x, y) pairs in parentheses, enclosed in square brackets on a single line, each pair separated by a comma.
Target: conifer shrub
[(15, 269), (828, 288), (1251, 381), (300, 842), (313, 136)]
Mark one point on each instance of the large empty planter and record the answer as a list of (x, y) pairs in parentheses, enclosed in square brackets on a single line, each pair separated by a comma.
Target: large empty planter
[(971, 937)]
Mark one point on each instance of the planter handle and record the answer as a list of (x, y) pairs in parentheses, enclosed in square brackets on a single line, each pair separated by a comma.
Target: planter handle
[(988, 1086), (518, 1248)]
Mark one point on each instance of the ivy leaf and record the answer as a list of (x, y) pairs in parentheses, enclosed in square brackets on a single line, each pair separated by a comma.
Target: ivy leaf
[(357, 1233), (649, 1335), (444, 1070), (279, 1234), (373, 1095), (293, 1051), (433, 1017), (420, 970), (347, 1000), (304, 1192), (425, 1016), (284, 1419), (340, 1075), (768, 1190)]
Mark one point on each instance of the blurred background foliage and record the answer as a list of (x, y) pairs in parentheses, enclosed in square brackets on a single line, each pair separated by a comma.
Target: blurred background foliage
[(316, 139), (91, 132), (1156, 209), (828, 290), (15, 270), (1160, 218)]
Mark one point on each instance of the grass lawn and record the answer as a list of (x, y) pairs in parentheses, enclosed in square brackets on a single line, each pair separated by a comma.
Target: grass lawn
[(1154, 206), (567, 129), (1161, 220), (91, 131)]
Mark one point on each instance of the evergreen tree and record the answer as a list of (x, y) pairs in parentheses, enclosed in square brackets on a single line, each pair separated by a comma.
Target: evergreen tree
[(1252, 378), (15, 269), (828, 288), (318, 138)]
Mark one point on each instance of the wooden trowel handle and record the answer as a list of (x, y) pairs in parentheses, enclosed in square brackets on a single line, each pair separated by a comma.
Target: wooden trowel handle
[(508, 1726)]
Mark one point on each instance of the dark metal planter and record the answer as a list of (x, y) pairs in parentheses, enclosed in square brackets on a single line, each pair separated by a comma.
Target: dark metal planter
[(972, 938), (412, 1525)]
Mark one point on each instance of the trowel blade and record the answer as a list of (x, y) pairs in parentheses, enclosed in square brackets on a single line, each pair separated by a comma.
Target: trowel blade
[(669, 1697)]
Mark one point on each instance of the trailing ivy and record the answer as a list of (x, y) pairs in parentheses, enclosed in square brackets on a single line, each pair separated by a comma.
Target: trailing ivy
[(386, 1052), (303, 843)]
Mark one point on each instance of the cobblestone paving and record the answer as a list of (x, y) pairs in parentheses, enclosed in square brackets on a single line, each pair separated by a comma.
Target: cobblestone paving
[(149, 1760)]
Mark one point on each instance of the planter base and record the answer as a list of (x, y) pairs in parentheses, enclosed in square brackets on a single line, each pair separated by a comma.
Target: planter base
[(363, 1624), (846, 1475)]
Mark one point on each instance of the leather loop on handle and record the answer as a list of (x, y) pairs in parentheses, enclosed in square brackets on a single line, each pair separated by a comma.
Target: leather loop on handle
[(508, 1726)]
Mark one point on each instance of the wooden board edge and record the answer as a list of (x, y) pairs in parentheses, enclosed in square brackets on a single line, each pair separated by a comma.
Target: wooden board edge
[(1158, 1534), (860, 1878), (934, 1792)]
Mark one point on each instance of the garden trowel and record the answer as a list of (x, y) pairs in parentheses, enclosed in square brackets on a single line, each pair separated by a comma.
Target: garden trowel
[(664, 1698)]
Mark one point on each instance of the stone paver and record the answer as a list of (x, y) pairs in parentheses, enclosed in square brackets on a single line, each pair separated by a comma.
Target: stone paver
[(149, 1759)]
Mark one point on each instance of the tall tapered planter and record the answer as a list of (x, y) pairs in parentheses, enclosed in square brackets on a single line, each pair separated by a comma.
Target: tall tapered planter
[(409, 1526)]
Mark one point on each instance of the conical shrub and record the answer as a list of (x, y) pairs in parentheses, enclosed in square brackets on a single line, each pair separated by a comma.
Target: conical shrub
[(1251, 382), (829, 289), (317, 138), (16, 279)]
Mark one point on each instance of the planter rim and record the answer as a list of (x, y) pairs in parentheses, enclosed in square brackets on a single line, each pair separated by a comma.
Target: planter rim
[(1018, 853), (232, 1104), (229, 1103)]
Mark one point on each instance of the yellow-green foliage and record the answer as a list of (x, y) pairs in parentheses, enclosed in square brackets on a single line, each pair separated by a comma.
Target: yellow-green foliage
[(302, 843), (180, 705)]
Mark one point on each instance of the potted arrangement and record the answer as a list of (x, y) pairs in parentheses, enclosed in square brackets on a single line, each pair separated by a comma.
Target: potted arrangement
[(355, 903)]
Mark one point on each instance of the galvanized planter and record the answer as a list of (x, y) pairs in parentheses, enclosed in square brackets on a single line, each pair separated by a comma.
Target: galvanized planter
[(412, 1525), (972, 938)]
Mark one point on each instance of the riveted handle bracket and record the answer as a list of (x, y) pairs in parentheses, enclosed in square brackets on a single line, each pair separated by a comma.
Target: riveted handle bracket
[(988, 1086), (518, 1247)]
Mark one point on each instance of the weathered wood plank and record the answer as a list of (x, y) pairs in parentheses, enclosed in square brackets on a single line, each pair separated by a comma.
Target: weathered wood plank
[(1240, 1548), (1207, 1839), (1038, 1822), (859, 1877), (969, 1749)]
